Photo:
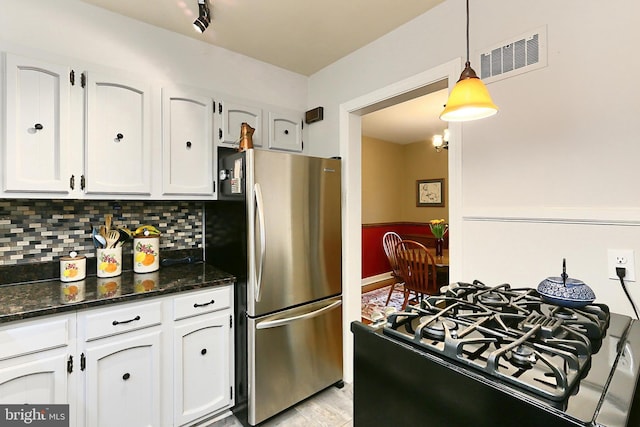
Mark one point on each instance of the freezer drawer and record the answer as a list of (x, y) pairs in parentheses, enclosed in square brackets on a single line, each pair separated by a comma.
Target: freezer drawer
[(292, 355)]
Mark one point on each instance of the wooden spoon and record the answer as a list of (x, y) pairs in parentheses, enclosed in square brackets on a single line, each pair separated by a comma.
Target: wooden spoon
[(112, 238), (107, 221), (103, 231)]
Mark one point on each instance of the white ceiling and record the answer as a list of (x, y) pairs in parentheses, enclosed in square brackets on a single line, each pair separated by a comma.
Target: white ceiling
[(303, 37), (410, 121)]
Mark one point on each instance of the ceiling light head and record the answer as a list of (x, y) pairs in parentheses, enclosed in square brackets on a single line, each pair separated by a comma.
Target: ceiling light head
[(200, 25), (469, 99), (204, 16)]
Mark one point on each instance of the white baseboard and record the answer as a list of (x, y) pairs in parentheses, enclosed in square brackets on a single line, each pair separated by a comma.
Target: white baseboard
[(377, 278)]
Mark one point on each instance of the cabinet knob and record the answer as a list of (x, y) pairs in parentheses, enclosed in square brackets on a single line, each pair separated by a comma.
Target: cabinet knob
[(126, 376), (119, 137), (286, 131), (203, 351), (38, 126), (188, 144)]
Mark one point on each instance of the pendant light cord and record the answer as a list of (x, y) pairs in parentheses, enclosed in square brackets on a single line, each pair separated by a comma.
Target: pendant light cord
[(467, 31)]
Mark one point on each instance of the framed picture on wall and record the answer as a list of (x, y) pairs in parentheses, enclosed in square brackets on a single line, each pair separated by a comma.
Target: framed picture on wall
[(430, 192)]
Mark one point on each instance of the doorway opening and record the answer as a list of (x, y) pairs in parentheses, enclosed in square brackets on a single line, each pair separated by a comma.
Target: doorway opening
[(350, 146), (398, 159)]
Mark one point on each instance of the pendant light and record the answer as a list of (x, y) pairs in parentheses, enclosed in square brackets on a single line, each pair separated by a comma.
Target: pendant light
[(469, 99)]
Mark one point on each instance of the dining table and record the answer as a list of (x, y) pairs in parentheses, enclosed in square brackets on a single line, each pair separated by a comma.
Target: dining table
[(441, 261), (442, 266)]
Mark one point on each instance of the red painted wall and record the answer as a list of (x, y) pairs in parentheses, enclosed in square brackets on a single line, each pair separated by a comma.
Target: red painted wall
[(374, 260)]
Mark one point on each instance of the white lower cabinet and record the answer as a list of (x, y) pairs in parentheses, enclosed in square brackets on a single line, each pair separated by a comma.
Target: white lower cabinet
[(164, 361), (202, 366), (35, 359), (121, 356), (123, 380), (35, 379)]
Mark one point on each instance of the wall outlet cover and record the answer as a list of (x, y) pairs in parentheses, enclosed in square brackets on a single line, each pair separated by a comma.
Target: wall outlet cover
[(621, 258)]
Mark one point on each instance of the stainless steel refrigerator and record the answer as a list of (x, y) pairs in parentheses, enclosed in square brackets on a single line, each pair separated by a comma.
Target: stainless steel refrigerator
[(277, 227)]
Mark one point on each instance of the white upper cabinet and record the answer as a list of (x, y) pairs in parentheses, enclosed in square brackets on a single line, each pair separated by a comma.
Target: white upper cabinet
[(285, 131), (106, 133), (117, 135), (231, 116), (187, 143), (36, 138)]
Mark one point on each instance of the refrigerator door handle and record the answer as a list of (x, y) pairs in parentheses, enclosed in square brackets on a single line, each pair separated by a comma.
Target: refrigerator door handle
[(263, 243), (266, 324)]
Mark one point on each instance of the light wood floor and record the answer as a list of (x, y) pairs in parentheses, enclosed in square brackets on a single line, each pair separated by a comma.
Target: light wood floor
[(332, 407)]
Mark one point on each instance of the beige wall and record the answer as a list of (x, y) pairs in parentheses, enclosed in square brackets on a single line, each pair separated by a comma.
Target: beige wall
[(381, 177), (421, 161), (389, 175)]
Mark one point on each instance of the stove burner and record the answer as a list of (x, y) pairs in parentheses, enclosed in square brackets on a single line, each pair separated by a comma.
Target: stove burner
[(565, 314), (523, 357), (436, 328), (491, 298)]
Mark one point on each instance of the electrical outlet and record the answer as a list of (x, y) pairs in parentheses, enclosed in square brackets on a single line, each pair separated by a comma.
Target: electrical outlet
[(622, 258)]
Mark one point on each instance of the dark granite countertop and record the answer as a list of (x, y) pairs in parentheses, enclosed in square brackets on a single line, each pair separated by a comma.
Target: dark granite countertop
[(32, 299)]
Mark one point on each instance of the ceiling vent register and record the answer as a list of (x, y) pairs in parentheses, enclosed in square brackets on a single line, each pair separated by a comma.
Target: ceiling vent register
[(521, 54)]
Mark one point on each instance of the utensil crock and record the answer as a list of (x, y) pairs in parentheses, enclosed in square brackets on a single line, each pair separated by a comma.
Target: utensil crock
[(146, 254)]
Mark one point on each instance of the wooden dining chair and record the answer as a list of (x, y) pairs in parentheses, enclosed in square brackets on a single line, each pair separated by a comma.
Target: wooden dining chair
[(389, 242), (417, 269)]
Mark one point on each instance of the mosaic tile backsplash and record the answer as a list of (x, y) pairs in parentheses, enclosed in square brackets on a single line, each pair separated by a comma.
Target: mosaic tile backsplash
[(34, 231)]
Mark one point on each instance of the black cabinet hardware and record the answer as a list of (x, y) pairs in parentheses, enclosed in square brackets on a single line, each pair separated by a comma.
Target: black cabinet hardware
[(196, 305), (126, 376), (70, 364), (203, 351), (122, 322)]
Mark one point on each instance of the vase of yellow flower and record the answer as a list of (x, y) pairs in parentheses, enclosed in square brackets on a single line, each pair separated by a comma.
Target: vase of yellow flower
[(438, 229)]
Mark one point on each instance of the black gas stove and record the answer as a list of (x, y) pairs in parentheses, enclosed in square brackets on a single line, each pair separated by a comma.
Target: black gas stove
[(477, 348)]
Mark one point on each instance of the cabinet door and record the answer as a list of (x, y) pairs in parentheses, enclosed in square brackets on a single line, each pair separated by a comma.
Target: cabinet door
[(232, 116), (118, 135), (187, 143), (122, 383), (202, 366), (35, 379), (285, 132), (37, 119)]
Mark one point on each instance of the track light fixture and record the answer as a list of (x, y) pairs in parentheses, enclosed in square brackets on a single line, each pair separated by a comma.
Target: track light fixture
[(204, 16)]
